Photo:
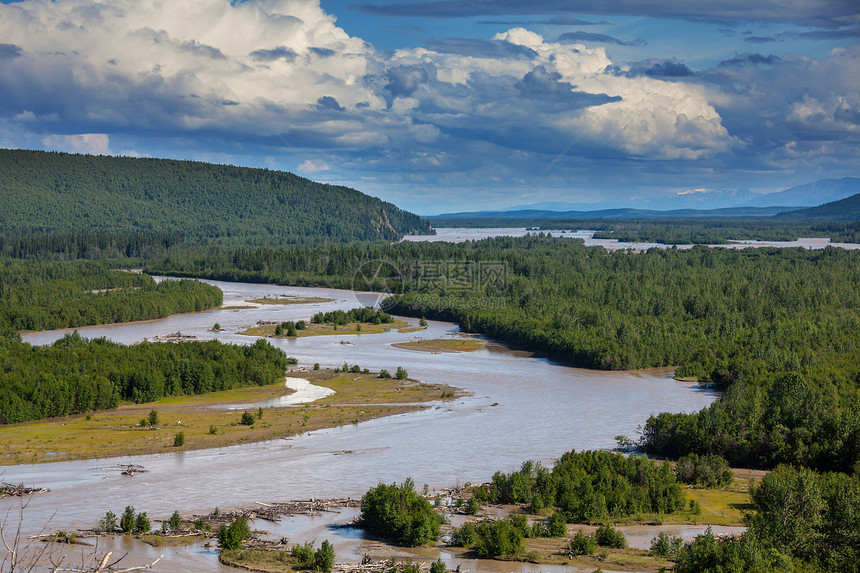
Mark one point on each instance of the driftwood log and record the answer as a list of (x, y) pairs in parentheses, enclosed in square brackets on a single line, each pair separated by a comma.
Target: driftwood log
[(20, 490)]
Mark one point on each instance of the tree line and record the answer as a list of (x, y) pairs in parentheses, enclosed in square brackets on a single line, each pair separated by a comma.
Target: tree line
[(74, 376), (40, 295)]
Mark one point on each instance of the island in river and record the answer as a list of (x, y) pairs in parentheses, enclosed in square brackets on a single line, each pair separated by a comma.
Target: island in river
[(214, 420)]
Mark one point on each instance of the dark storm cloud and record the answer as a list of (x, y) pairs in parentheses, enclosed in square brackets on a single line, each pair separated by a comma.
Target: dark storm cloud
[(272, 54), (557, 21), (198, 49), (819, 13), (750, 59), (480, 48), (578, 37), (403, 81), (323, 52), (328, 103), (663, 69), (838, 34), (539, 83), (760, 39), (9, 51)]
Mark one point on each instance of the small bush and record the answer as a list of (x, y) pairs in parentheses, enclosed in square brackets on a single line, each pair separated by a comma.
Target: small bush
[(666, 545), (463, 536), (472, 506), (179, 440), (438, 567), (231, 537), (495, 538), (705, 471), (247, 419), (582, 544), (384, 373), (557, 526), (141, 523), (126, 522), (316, 365), (607, 536), (324, 557), (401, 373), (213, 429), (175, 521), (153, 418), (303, 556), (107, 524)]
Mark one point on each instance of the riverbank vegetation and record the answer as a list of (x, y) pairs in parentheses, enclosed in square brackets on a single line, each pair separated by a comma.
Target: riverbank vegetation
[(74, 376), (41, 295), (207, 420), (797, 519), (772, 328)]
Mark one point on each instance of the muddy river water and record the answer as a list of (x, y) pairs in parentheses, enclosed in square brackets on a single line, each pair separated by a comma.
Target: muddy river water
[(522, 407)]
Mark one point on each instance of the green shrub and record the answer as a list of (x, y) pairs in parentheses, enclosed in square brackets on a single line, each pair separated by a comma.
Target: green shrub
[(231, 537), (324, 557), (438, 567), (247, 419), (141, 523), (463, 536), (582, 544), (126, 522), (400, 514), (497, 538), (401, 373), (175, 521), (607, 536), (303, 556), (666, 545), (179, 440), (557, 526), (107, 524), (707, 471)]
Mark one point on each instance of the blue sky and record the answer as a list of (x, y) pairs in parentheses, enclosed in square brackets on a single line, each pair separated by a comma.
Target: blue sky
[(444, 105)]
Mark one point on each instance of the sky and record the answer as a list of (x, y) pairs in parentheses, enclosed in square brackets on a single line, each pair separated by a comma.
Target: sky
[(449, 105)]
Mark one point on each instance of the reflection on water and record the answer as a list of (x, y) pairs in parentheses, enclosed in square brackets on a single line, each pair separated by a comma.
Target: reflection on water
[(523, 407)]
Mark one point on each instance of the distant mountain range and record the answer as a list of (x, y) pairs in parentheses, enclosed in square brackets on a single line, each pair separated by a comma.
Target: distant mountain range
[(57, 192), (688, 204), (810, 194), (614, 214)]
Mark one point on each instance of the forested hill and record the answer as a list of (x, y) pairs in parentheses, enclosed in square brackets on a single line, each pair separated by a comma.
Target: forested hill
[(47, 192), (847, 209)]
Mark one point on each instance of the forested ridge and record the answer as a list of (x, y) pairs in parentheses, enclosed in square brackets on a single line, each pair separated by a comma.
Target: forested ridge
[(775, 328), (45, 192)]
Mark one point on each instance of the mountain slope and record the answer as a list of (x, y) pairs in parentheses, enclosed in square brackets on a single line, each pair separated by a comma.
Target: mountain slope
[(843, 210), (58, 192), (815, 193)]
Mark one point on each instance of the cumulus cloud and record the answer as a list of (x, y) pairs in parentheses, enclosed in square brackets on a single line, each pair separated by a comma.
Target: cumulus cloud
[(280, 74), (92, 143)]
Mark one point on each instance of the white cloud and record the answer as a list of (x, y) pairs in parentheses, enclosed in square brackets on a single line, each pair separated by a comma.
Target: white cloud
[(311, 166), (92, 143)]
